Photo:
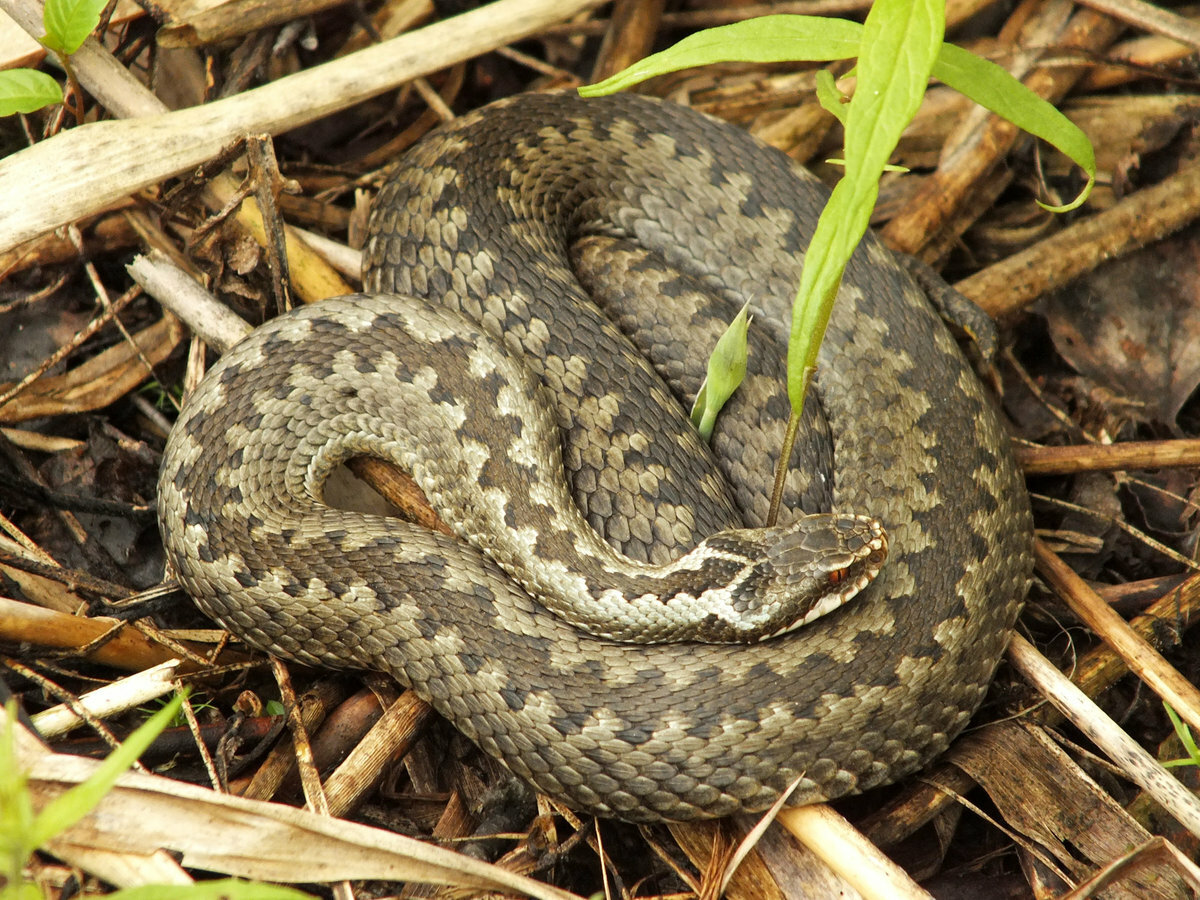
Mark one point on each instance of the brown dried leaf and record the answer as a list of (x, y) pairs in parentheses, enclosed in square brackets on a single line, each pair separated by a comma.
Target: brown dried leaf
[(250, 838), (101, 380), (1043, 794), (1133, 325)]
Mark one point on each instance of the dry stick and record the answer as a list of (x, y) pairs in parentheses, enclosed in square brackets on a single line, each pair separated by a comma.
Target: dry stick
[(210, 765), (122, 94), (1146, 662), (388, 740), (310, 780), (632, 29), (841, 847), (176, 290), (99, 639), (1039, 460), (1148, 215), (225, 21), (126, 693), (80, 171), (1137, 765), (1149, 17), (68, 699)]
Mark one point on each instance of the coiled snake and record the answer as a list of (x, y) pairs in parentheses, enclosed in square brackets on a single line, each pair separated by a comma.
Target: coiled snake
[(672, 220)]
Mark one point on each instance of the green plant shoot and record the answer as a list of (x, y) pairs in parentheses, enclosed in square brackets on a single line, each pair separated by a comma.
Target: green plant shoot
[(726, 369), (1185, 737), (900, 41), (68, 24)]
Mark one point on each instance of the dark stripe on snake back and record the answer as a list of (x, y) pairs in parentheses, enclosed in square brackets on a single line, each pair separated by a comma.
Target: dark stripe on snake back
[(481, 218)]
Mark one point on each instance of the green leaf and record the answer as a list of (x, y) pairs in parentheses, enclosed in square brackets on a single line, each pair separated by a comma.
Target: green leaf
[(27, 90), (726, 369), (831, 99), (989, 85), (900, 41), (230, 888), (767, 39), (69, 22), (16, 806), (65, 810), (1185, 737)]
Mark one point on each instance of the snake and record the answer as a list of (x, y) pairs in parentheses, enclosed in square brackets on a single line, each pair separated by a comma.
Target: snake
[(548, 265)]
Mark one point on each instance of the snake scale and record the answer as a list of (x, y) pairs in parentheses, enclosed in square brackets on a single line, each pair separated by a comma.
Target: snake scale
[(567, 229)]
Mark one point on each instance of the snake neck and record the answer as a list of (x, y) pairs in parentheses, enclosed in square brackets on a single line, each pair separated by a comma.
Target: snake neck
[(489, 461), (747, 585)]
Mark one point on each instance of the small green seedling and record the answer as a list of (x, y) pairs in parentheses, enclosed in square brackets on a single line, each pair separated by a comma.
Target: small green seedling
[(726, 369), (1185, 737), (68, 24), (898, 48)]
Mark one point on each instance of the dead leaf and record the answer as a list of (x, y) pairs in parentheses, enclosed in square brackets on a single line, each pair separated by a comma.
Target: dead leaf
[(248, 838), (1044, 795), (1133, 325), (101, 380)]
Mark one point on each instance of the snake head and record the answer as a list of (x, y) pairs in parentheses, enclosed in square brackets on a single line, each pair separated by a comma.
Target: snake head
[(823, 561), (792, 575)]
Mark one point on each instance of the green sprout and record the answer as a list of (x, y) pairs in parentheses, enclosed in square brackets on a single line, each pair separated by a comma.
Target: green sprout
[(68, 24)]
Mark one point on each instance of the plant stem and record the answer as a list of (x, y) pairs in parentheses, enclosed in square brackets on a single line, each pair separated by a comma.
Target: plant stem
[(783, 464)]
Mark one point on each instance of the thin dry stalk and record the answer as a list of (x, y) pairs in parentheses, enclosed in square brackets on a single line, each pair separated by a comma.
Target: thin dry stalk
[(1038, 460), (117, 697), (80, 171), (844, 849), (1136, 764), (1142, 659)]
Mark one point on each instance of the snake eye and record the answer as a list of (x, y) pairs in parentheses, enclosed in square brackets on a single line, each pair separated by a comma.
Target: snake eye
[(837, 576)]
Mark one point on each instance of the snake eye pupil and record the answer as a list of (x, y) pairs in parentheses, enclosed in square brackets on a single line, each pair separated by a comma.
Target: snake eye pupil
[(837, 576)]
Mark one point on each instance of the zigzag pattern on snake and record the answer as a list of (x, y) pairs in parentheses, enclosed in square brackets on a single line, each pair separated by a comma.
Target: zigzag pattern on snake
[(508, 218)]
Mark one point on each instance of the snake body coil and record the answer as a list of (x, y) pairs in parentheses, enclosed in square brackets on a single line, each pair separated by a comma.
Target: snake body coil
[(500, 217)]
